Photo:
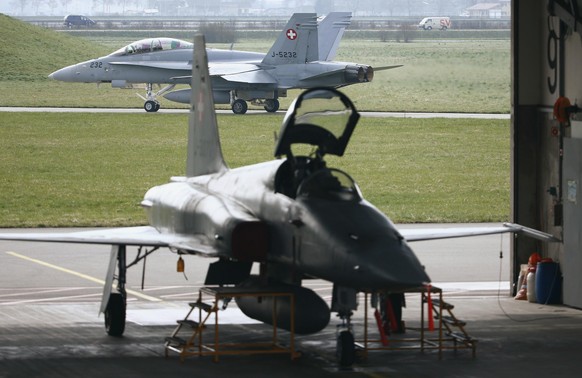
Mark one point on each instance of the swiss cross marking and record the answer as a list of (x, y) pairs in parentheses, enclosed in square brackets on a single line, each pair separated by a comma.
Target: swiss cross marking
[(291, 34)]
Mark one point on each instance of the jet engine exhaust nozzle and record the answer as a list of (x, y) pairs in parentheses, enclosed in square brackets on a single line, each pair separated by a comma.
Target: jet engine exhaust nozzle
[(359, 74)]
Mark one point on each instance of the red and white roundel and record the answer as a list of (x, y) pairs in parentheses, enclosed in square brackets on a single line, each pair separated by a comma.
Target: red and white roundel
[(291, 34)]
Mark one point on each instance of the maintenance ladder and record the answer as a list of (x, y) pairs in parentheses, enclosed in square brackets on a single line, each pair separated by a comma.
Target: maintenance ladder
[(448, 329), (455, 328), (194, 345)]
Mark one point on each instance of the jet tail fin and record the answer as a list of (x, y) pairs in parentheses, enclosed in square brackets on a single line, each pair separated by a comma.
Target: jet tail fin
[(297, 43), (331, 30), (204, 150)]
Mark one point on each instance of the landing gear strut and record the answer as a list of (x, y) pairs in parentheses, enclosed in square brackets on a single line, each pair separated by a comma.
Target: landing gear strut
[(114, 309), (151, 104), (344, 301), (345, 344), (114, 302)]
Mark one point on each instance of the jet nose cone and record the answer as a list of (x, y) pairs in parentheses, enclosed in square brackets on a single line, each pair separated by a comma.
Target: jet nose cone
[(393, 266), (64, 74)]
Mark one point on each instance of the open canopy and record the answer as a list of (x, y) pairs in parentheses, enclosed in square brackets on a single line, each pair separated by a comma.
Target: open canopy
[(321, 117), (151, 45)]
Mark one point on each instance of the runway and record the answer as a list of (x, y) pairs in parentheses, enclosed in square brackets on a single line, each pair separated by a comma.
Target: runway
[(251, 111)]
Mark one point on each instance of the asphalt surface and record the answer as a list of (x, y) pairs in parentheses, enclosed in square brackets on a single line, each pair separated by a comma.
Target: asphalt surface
[(251, 111), (50, 294)]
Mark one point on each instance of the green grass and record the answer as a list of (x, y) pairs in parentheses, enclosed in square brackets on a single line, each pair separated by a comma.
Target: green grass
[(62, 169), (92, 169)]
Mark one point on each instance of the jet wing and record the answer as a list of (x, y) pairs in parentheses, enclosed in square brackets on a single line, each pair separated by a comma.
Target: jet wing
[(239, 73), (412, 235), (242, 73), (137, 236), (221, 69)]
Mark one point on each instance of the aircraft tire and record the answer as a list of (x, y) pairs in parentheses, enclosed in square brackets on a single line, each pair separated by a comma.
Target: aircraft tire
[(345, 349), (151, 106), (115, 315), (239, 106), (271, 105)]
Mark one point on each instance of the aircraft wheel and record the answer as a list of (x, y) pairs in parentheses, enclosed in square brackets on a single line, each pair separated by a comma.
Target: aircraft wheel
[(115, 315), (272, 105), (239, 106), (151, 106), (346, 349)]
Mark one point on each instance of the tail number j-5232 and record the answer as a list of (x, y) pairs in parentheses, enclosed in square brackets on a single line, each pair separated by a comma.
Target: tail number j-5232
[(284, 54)]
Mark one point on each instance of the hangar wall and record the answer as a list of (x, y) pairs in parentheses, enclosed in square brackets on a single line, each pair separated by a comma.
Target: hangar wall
[(546, 56)]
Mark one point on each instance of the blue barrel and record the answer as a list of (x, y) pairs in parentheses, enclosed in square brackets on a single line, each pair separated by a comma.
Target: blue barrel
[(548, 283)]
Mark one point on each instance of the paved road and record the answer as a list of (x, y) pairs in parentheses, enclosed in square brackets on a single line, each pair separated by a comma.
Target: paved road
[(365, 114)]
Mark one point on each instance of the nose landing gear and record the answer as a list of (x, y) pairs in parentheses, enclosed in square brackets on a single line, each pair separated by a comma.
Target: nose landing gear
[(151, 104), (344, 301), (345, 344)]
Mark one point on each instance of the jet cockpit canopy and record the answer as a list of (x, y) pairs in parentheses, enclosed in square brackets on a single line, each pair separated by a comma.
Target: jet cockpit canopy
[(151, 45), (321, 117)]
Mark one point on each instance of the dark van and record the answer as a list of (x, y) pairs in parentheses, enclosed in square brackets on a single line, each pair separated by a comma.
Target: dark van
[(78, 20)]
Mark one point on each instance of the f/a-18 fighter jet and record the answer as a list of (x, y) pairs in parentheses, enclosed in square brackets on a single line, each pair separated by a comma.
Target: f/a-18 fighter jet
[(295, 217), (301, 57)]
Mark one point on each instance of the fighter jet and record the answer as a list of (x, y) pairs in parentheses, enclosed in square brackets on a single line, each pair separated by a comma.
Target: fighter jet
[(294, 216), (300, 58)]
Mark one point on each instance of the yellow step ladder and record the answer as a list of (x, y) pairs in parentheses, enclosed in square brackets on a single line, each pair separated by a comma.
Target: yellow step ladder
[(188, 347), (455, 328)]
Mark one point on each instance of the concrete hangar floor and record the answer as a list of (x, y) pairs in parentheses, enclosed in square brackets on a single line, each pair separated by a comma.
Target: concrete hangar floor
[(50, 294)]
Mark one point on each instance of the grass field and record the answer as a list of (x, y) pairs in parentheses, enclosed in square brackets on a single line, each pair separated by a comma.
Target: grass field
[(93, 169)]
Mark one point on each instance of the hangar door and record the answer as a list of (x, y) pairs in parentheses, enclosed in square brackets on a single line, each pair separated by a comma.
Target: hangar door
[(572, 184)]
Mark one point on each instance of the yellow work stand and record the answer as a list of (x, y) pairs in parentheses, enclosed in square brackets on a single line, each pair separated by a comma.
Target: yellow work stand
[(447, 329), (195, 345)]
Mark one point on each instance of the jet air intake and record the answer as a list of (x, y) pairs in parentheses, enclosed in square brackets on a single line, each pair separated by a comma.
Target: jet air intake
[(358, 74)]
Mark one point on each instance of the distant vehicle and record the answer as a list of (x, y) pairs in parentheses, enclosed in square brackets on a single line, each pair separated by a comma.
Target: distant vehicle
[(429, 23), (78, 20)]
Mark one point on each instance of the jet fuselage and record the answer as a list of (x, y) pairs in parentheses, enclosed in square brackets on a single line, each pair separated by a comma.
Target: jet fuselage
[(336, 236)]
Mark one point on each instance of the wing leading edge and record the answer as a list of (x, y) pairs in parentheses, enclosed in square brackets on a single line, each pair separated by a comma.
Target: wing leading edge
[(131, 236), (413, 235), (200, 244)]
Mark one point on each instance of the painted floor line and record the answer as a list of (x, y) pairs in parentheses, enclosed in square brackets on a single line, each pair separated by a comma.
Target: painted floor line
[(81, 275)]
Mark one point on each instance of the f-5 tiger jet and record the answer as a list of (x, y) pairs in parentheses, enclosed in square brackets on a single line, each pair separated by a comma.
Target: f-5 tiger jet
[(295, 217)]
